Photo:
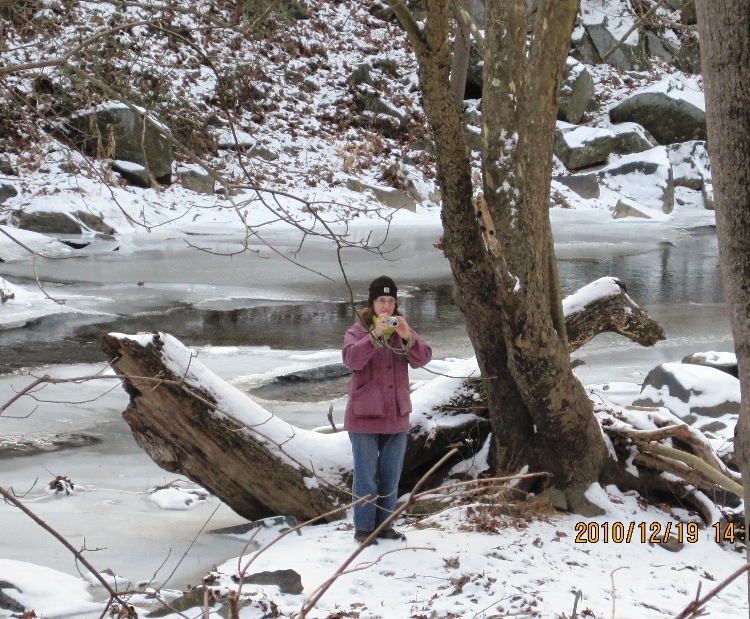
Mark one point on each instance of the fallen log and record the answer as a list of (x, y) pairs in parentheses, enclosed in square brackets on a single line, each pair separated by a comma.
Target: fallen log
[(193, 423), (605, 306)]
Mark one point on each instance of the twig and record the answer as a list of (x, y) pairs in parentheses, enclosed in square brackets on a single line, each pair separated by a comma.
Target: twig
[(79, 557), (696, 607), (614, 589), (190, 546), (578, 597), (330, 418), (624, 37)]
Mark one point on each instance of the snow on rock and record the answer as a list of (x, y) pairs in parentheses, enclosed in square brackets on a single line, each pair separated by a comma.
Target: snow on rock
[(47, 592), (705, 397)]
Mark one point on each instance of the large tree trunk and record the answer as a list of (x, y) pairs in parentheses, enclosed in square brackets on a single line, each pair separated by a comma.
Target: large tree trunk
[(506, 281), (725, 57), (519, 115)]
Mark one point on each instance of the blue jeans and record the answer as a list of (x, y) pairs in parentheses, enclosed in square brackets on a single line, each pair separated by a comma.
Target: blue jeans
[(378, 459)]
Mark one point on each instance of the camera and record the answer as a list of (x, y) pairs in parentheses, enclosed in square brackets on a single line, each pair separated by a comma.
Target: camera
[(393, 322)]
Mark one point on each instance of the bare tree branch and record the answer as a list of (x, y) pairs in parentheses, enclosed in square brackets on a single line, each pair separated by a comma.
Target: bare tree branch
[(114, 595)]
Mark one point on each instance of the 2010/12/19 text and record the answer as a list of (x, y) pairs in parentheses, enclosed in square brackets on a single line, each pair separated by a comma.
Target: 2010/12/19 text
[(643, 532)]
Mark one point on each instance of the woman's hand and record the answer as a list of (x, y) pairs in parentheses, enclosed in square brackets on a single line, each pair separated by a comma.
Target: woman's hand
[(403, 329), (380, 325)]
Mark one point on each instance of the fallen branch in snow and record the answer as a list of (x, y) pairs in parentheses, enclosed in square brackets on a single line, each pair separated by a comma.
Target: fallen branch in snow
[(696, 608), (695, 463), (695, 439), (672, 458), (698, 461)]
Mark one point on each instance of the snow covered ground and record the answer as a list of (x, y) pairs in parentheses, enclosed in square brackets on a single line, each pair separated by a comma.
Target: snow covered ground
[(150, 531)]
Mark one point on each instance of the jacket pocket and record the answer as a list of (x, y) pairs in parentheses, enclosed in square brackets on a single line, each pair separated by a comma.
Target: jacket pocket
[(404, 403), (367, 400)]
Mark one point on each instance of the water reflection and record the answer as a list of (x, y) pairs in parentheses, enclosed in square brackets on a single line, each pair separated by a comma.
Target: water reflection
[(306, 325), (687, 272)]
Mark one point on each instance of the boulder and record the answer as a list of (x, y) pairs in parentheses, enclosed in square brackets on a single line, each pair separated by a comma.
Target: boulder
[(7, 191), (196, 179), (260, 151), (134, 173), (659, 48), (630, 56), (644, 177), (691, 391), (630, 208), (321, 383), (288, 581), (6, 167), (632, 138), (604, 25), (585, 185), (47, 222), (417, 186), (388, 196), (95, 223), (724, 361), (576, 92), (581, 147), (116, 131), (685, 56), (690, 164), (361, 75), (582, 47), (671, 111)]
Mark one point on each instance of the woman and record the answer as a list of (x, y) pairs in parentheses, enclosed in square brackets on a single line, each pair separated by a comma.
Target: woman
[(377, 413)]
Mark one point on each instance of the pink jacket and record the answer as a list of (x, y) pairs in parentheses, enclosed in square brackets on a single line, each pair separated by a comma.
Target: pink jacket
[(379, 401)]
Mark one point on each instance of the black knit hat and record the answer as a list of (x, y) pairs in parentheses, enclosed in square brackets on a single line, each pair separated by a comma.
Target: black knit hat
[(382, 286)]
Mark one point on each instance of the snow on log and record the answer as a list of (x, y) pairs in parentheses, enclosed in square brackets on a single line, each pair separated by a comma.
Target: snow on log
[(604, 306), (194, 423)]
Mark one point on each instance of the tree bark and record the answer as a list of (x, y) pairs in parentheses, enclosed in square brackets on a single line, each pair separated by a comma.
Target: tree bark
[(725, 58), (461, 53)]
